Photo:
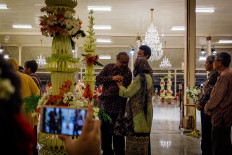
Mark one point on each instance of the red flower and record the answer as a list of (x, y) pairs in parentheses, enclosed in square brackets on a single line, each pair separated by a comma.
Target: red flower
[(80, 23), (49, 84), (59, 16), (88, 92), (41, 23), (38, 110), (68, 83)]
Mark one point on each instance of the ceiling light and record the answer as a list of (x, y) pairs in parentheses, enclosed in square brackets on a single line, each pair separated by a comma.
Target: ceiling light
[(7, 38), (102, 27), (103, 40), (153, 41), (6, 56), (178, 28), (213, 51), (3, 6), (225, 41), (165, 64), (202, 58), (99, 8), (203, 52), (22, 26), (205, 10), (132, 52), (105, 57), (40, 5)]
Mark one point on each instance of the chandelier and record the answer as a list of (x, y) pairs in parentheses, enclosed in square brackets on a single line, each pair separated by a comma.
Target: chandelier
[(152, 40), (40, 59), (165, 64)]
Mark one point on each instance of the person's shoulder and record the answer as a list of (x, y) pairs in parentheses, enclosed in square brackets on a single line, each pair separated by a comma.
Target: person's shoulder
[(148, 76), (109, 66), (137, 77), (226, 73), (215, 73), (22, 75)]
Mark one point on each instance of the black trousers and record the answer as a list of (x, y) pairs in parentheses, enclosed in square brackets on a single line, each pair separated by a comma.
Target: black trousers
[(221, 141), (107, 135), (206, 127)]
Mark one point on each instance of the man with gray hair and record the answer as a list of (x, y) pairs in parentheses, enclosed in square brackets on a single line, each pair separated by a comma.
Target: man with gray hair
[(112, 102), (206, 124), (219, 106)]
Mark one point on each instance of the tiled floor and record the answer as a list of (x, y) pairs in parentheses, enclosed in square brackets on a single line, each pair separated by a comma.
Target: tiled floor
[(166, 138)]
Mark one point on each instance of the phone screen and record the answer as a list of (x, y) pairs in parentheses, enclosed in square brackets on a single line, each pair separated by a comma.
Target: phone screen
[(64, 121)]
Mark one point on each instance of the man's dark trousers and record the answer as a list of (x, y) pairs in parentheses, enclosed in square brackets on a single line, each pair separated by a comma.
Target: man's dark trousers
[(107, 134), (206, 127), (221, 141)]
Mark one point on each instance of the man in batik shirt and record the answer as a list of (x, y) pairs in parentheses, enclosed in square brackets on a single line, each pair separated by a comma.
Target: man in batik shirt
[(206, 124), (219, 106), (30, 67), (113, 104)]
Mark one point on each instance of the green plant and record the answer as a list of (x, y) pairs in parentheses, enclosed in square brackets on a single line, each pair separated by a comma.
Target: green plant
[(31, 103), (103, 116)]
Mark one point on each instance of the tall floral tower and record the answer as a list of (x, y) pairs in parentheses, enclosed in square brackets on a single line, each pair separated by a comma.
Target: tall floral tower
[(169, 88), (61, 24), (90, 58), (90, 47), (162, 90)]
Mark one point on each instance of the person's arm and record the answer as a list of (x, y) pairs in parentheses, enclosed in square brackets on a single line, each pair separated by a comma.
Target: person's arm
[(217, 94), (132, 90), (103, 76), (34, 88), (89, 142), (127, 80)]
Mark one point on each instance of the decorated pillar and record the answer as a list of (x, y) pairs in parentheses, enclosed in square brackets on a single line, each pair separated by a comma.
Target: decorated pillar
[(190, 52), (208, 41), (20, 54)]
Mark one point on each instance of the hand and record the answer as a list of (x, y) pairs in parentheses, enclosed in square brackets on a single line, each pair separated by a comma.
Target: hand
[(198, 106), (89, 141), (120, 83), (97, 102), (118, 78), (207, 110)]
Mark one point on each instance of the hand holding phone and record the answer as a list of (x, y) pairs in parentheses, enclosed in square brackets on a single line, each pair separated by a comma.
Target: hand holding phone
[(89, 141)]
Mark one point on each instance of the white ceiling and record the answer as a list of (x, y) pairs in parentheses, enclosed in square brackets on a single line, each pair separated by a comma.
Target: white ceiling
[(128, 17)]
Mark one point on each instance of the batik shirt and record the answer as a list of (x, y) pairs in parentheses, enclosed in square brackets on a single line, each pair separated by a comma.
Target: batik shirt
[(207, 88), (219, 106), (110, 98), (37, 81)]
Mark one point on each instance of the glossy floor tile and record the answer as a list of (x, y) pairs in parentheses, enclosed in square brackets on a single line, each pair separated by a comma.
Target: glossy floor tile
[(166, 138)]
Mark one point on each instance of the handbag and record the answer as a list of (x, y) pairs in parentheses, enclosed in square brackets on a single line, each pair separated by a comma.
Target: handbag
[(124, 123)]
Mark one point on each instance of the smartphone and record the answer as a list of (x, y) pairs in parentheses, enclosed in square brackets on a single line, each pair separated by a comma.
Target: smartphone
[(62, 120)]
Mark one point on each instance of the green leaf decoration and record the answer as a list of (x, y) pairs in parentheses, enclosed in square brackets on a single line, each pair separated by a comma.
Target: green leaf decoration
[(62, 58), (103, 116), (31, 103)]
